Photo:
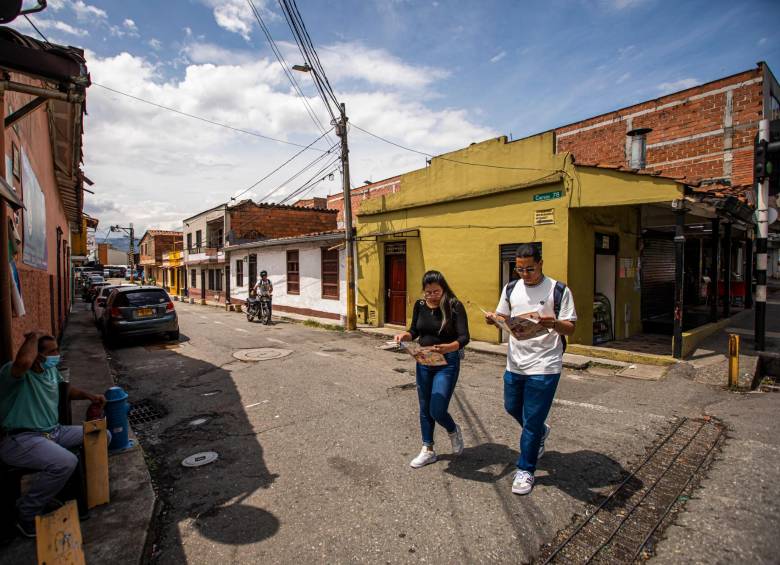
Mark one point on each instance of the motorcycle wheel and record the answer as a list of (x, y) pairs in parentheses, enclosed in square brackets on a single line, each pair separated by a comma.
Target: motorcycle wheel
[(249, 317)]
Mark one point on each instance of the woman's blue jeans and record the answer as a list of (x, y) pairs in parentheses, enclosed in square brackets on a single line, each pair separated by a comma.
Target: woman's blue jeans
[(528, 399), (435, 386)]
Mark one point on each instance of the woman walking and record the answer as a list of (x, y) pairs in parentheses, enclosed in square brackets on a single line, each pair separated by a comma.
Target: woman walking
[(439, 321)]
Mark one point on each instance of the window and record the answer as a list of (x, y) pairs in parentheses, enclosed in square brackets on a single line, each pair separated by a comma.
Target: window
[(330, 273), (211, 279), (218, 279), (293, 273), (252, 270), (198, 238), (193, 278), (239, 273), (189, 242)]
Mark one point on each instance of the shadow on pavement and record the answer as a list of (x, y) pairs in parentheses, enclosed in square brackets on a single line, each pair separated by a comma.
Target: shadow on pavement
[(203, 411), (580, 474)]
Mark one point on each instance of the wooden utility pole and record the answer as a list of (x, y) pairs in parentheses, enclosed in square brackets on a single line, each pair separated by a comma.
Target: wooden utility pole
[(341, 131)]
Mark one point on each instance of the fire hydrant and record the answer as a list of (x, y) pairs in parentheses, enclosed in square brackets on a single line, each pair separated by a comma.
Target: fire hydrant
[(117, 409)]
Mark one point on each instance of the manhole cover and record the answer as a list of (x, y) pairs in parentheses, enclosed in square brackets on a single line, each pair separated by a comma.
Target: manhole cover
[(260, 354), (143, 412), (199, 459)]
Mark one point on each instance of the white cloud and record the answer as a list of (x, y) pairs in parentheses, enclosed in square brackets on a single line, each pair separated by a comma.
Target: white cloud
[(498, 57), (763, 41), (155, 44), (354, 60), (623, 4), (236, 15), (160, 167), (130, 24), (204, 52), (682, 84), (623, 78), (49, 26), (86, 11)]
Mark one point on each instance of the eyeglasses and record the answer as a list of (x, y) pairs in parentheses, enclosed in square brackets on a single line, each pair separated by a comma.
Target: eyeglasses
[(526, 270)]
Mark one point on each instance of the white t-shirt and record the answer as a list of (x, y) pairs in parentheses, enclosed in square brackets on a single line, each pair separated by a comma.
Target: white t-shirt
[(542, 354)]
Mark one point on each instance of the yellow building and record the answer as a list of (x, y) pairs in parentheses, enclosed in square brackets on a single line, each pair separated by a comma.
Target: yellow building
[(172, 272), (466, 213)]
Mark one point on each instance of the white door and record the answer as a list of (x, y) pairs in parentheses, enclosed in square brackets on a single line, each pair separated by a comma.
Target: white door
[(605, 280)]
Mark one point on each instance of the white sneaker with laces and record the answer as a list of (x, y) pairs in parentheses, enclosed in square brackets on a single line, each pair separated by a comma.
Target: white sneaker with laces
[(426, 457), (456, 438), (523, 482), (544, 437)]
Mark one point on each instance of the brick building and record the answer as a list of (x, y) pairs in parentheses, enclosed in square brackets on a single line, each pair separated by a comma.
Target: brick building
[(704, 133), (152, 246), (208, 233), (42, 105)]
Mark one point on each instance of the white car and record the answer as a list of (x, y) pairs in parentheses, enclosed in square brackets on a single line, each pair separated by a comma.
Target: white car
[(100, 301)]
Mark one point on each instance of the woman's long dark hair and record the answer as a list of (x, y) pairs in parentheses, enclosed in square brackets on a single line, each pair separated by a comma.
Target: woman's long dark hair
[(448, 298)]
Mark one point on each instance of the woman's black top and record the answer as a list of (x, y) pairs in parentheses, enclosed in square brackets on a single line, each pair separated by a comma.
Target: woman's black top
[(426, 323)]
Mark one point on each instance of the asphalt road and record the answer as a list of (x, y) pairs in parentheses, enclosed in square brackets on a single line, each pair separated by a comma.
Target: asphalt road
[(314, 449)]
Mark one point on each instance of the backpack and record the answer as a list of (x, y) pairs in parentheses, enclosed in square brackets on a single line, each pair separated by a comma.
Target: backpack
[(557, 298)]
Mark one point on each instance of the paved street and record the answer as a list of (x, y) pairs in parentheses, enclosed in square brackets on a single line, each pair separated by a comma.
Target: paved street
[(314, 449)]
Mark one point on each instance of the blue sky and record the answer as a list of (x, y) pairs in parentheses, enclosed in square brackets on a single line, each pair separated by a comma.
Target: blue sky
[(435, 75)]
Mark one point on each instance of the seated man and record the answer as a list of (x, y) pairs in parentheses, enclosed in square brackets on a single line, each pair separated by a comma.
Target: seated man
[(30, 435)]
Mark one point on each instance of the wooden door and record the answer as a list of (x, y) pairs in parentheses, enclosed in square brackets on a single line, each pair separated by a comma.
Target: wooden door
[(395, 288)]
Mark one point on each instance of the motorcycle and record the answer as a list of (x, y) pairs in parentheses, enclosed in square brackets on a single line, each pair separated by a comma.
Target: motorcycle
[(260, 308)]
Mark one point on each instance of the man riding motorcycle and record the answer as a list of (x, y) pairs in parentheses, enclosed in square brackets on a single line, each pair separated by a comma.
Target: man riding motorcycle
[(263, 293)]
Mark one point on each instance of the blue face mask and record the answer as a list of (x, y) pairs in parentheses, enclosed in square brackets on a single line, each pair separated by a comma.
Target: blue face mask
[(51, 361)]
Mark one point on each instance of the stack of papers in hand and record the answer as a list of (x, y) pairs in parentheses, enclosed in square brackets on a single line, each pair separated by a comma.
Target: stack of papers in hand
[(423, 355)]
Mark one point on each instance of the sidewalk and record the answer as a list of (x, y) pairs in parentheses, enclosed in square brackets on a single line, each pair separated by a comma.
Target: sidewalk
[(114, 533)]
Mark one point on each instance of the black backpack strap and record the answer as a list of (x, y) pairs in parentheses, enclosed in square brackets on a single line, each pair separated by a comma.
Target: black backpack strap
[(509, 288), (560, 288)]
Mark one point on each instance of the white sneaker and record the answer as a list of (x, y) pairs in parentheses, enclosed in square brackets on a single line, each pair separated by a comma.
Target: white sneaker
[(523, 482), (544, 437), (456, 438), (426, 457)]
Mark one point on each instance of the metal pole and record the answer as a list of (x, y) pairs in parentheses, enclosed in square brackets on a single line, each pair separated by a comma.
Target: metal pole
[(132, 254), (714, 268), (727, 270), (761, 248), (749, 268), (6, 340), (342, 133), (679, 280)]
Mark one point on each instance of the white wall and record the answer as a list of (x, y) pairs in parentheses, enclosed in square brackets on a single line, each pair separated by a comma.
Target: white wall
[(274, 260)]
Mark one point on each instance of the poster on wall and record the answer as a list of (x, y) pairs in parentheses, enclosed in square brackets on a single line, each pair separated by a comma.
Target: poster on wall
[(35, 248)]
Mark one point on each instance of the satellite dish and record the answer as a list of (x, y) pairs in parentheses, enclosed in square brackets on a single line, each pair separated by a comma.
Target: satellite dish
[(9, 10)]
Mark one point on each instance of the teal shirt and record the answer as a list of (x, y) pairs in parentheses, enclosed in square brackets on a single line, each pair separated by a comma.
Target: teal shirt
[(30, 402)]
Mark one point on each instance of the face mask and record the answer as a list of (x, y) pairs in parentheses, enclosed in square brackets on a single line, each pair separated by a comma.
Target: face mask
[(51, 361)]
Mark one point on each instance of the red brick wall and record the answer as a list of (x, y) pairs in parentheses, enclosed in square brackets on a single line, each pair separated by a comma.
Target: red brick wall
[(271, 221), (33, 136), (362, 193), (691, 136)]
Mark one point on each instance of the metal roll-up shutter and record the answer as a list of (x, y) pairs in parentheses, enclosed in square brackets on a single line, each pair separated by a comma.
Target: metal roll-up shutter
[(657, 279)]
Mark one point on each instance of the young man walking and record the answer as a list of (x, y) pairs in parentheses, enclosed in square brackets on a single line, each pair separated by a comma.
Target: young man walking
[(535, 358)]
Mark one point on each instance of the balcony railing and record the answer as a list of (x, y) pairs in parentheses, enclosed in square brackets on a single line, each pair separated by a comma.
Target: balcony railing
[(207, 249)]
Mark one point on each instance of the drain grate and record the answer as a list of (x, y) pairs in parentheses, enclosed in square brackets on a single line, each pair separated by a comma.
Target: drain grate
[(626, 524), (143, 412)]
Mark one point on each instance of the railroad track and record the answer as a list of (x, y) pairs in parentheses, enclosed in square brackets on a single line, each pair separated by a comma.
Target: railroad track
[(624, 526)]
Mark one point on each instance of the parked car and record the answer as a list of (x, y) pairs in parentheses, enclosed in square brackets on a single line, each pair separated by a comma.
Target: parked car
[(100, 300), (94, 290), (139, 311), (88, 290)]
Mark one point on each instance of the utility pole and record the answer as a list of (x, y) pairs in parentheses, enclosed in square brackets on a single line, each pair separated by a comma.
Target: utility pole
[(341, 131), (762, 203), (132, 253)]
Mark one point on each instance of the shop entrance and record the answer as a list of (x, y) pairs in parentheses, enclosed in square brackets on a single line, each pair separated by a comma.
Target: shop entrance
[(605, 272)]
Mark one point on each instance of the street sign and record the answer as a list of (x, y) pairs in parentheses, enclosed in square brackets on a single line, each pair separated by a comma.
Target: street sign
[(548, 195), (544, 217)]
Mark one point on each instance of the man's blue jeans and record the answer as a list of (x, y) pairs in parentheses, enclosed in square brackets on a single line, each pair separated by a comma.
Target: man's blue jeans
[(528, 399), (435, 386)]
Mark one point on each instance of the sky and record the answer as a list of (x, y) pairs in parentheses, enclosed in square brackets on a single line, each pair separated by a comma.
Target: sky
[(432, 75)]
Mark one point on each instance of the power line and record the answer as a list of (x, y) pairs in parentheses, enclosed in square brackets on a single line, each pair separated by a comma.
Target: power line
[(296, 175), (313, 181), (208, 121), (285, 66), (283, 164), (26, 17)]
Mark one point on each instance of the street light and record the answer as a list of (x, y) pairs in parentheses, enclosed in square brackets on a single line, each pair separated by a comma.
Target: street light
[(131, 252)]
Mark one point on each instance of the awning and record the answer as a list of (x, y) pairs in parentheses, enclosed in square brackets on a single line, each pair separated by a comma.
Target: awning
[(9, 195)]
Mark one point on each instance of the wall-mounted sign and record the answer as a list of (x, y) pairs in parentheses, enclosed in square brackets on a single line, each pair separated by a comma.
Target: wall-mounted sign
[(544, 217), (548, 195)]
